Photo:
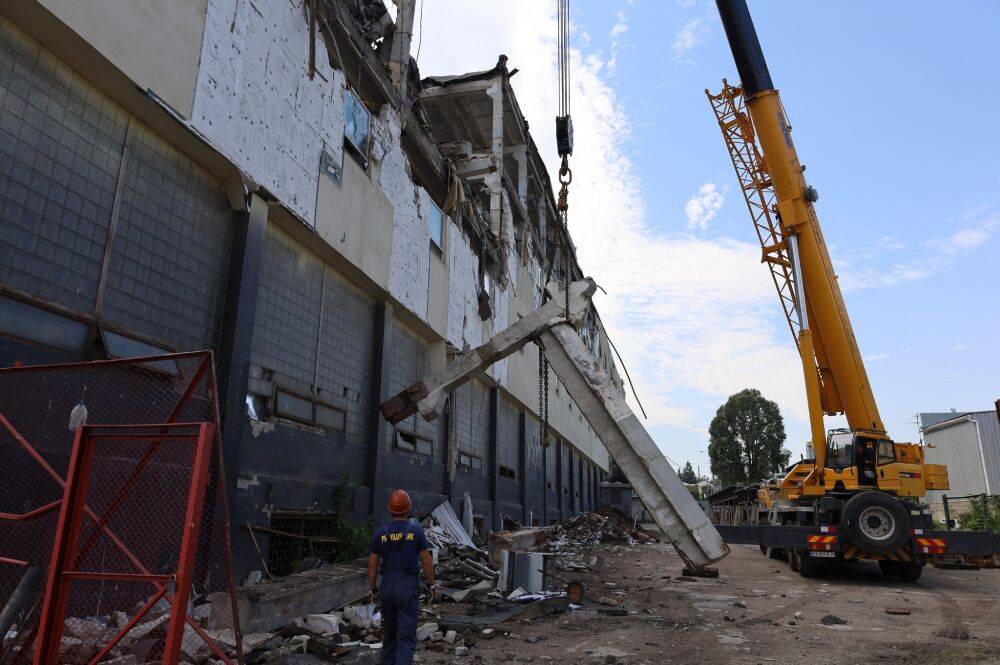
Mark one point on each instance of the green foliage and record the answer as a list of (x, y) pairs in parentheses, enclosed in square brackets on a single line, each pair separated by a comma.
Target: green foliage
[(745, 439), (983, 515), (356, 538), (687, 474)]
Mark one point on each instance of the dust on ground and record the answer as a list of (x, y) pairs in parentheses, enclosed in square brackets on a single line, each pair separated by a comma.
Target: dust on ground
[(757, 611)]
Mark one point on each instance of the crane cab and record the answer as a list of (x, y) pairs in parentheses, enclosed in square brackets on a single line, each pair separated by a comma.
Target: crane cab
[(858, 460)]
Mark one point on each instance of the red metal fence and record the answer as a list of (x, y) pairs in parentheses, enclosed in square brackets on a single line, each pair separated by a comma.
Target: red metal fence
[(142, 539)]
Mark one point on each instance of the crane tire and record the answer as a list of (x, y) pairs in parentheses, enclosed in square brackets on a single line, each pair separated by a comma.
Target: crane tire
[(909, 571), (876, 522), (794, 560)]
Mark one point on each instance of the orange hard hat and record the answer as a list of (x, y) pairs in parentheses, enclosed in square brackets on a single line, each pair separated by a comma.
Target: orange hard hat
[(399, 503)]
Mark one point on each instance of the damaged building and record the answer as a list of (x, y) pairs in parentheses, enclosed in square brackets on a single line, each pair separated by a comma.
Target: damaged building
[(275, 181)]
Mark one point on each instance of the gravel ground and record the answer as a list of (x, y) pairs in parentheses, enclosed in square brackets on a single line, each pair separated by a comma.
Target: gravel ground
[(757, 611)]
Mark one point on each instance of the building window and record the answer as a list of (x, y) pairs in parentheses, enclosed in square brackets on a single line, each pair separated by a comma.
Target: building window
[(467, 461), (304, 410), (357, 127), (435, 222), (414, 443), (507, 472)]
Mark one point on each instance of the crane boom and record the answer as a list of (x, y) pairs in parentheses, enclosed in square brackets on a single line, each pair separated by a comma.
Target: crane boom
[(835, 376)]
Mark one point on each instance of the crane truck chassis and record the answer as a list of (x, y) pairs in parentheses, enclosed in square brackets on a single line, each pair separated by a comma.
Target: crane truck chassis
[(811, 537)]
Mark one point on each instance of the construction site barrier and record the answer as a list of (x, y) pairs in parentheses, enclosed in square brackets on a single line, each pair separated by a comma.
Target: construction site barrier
[(111, 485)]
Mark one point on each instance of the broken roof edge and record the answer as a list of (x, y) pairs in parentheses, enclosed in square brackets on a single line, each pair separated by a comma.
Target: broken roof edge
[(452, 79)]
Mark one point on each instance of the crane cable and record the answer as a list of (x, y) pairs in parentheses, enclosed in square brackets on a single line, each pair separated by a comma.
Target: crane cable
[(564, 142)]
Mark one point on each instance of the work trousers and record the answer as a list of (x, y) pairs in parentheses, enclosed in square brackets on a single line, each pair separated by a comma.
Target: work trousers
[(400, 600)]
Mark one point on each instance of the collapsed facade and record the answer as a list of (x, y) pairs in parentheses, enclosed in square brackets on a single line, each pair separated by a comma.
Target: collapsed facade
[(273, 180)]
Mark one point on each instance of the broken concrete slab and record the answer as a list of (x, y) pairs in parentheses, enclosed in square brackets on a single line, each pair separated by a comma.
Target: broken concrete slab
[(534, 610), (521, 540), (272, 604), (325, 624), (425, 630), (601, 402)]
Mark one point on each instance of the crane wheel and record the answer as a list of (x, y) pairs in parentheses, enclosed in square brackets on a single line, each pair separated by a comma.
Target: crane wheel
[(808, 566), (794, 560), (876, 522), (909, 571)]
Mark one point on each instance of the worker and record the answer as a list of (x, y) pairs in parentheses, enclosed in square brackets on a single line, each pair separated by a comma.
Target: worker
[(865, 456), (396, 548)]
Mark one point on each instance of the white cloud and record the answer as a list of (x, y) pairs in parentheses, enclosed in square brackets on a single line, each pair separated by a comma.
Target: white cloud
[(871, 268), (618, 34), (877, 357), (969, 238), (692, 33), (702, 207), (695, 319)]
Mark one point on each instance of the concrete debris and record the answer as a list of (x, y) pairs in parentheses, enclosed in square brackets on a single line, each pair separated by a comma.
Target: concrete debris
[(324, 624), (424, 631), (603, 526), (362, 616), (274, 604), (832, 620)]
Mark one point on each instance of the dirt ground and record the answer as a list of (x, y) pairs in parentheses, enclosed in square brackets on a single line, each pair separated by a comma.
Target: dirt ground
[(748, 615)]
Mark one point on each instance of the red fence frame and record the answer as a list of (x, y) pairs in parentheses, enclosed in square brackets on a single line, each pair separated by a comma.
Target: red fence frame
[(46, 648), (66, 551)]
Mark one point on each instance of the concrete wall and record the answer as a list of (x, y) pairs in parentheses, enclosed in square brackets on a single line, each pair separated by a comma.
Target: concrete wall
[(357, 241), (156, 44)]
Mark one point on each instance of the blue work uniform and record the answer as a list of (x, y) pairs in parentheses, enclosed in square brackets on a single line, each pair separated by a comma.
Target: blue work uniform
[(398, 546)]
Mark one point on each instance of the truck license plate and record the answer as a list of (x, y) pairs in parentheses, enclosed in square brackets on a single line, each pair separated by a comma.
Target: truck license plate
[(824, 555)]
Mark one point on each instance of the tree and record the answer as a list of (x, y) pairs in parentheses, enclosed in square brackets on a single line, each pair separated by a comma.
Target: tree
[(688, 475), (745, 439)]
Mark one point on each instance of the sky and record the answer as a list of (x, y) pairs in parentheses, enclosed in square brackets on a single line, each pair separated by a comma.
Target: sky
[(893, 111)]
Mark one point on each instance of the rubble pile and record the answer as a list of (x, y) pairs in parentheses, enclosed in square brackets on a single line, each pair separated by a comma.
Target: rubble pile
[(606, 525), (523, 576)]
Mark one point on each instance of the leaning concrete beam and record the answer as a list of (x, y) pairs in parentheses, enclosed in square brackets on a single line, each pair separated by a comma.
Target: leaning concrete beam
[(428, 395), (673, 508)]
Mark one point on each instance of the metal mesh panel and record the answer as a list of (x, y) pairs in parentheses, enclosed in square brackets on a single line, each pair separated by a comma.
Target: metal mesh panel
[(60, 151), (167, 276), (533, 447), (407, 366), (288, 311), (472, 420), (134, 504), (345, 353), (550, 463), (508, 436)]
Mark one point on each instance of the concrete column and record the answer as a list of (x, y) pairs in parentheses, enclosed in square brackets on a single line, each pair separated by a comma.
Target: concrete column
[(246, 259), (559, 476), (545, 483), (520, 154), (494, 179), (522, 464), (543, 214), (399, 61), (492, 455), (378, 428)]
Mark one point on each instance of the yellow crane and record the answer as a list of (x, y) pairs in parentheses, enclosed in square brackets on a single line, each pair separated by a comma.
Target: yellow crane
[(861, 481)]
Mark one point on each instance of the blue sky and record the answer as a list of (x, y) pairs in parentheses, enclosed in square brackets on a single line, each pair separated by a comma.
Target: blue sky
[(893, 112)]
